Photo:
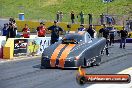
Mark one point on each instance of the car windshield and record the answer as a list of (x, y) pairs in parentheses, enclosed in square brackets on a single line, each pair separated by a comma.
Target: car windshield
[(72, 38)]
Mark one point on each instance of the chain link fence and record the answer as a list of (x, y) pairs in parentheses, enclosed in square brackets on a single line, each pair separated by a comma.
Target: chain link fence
[(96, 19)]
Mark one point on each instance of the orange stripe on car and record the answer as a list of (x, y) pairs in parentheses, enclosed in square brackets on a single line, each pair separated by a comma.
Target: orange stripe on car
[(65, 54), (55, 54)]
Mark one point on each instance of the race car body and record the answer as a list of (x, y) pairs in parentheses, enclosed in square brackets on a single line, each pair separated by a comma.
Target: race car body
[(74, 50)]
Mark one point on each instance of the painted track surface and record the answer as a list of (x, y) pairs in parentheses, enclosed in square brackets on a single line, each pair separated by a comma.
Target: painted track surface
[(26, 73)]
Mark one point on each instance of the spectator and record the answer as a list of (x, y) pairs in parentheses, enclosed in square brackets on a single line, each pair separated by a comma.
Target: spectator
[(111, 33), (61, 16), (11, 20), (81, 28), (90, 19), (72, 16), (4, 30), (15, 27), (57, 16), (26, 31), (91, 31), (123, 35), (102, 18), (81, 17), (55, 29), (112, 36), (105, 33), (41, 30), (11, 32)]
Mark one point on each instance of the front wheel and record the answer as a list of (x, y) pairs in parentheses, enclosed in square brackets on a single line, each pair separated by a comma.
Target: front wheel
[(87, 63), (97, 62)]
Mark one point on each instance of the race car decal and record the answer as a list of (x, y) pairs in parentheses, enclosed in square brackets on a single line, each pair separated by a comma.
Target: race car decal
[(65, 54), (55, 54)]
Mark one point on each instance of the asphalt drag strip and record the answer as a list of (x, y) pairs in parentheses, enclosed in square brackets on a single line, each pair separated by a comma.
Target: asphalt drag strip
[(27, 73)]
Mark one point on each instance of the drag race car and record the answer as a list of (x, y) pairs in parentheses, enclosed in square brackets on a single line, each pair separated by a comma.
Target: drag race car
[(74, 50)]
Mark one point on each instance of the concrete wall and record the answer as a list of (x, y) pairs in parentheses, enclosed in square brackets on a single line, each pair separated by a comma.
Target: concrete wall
[(33, 25)]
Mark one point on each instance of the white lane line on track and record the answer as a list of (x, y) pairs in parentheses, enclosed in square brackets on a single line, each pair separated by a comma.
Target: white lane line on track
[(129, 85)]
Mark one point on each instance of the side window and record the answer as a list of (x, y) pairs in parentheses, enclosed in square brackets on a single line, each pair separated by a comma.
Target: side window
[(88, 38)]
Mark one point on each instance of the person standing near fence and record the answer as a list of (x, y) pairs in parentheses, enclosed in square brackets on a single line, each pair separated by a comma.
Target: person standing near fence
[(90, 19), (123, 35), (41, 30), (55, 29), (57, 16), (26, 31), (81, 17), (72, 17), (61, 16)]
